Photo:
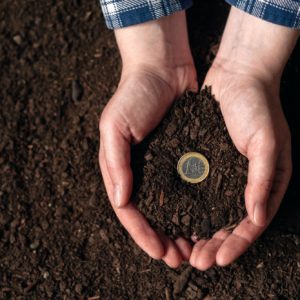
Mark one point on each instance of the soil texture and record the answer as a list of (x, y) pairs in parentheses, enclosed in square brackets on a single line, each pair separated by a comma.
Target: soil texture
[(59, 237), (194, 124)]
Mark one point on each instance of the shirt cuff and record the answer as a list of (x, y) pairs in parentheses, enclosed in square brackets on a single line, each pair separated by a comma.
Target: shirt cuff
[(286, 13), (123, 13)]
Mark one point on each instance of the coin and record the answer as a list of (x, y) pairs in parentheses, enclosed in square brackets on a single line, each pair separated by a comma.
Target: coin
[(193, 167)]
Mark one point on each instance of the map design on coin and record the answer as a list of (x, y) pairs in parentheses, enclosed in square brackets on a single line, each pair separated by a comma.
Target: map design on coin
[(193, 167)]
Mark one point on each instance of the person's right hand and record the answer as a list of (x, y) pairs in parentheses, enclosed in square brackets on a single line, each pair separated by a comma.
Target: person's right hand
[(157, 68)]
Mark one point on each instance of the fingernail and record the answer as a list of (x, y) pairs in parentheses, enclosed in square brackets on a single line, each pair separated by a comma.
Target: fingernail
[(117, 196), (259, 215)]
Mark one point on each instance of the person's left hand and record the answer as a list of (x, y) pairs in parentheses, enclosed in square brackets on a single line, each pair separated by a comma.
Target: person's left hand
[(257, 126), (245, 79)]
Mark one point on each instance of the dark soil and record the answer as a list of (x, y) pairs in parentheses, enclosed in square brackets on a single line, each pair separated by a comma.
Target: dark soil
[(59, 238), (194, 124)]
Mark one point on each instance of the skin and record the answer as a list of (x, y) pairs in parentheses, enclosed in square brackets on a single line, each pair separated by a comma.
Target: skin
[(245, 78)]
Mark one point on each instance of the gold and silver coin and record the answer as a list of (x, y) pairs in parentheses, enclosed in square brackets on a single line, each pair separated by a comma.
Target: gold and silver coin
[(193, 167)]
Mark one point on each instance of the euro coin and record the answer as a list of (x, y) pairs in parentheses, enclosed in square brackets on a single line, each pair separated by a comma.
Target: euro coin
[(193, 167)]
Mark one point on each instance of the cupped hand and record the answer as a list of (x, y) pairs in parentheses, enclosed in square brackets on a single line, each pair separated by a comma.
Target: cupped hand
[(256, 124), (157, 68), (245, 79)]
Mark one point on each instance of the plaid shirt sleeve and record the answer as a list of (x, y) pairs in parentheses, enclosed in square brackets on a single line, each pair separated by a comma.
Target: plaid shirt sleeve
[(123, 13), (282, 12)]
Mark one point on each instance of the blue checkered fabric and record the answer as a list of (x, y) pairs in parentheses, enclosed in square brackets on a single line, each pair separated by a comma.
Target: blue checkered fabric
[(282, 12), (123, 13)]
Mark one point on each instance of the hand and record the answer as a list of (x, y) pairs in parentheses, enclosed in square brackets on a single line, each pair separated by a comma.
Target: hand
[(157, 68), (245, 79)]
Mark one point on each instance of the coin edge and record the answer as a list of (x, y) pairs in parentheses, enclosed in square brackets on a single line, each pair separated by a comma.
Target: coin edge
[(199, 156)]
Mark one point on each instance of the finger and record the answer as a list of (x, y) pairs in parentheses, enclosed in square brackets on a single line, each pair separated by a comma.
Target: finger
[(184, 248), (238, 242), (106, 178), (141, 232), (195, 252), (116, 148), (133, 221), (172, 255), (247, 232), (206, 256), (262, 163)]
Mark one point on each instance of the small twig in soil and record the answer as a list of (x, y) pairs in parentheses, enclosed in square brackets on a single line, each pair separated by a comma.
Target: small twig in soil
[(30, 286), (145, 271), (94, 298), (167, 293), (218, 182), (186, 118), (161, 198), (230, 227)]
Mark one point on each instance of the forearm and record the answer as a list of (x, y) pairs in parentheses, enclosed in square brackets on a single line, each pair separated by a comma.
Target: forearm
[(159, 48), (255, 45)]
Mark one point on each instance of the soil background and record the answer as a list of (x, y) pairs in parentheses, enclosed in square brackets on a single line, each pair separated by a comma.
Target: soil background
[(59, 238)]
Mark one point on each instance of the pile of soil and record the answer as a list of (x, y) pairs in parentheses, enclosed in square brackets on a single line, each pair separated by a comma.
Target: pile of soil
[(194, 124)]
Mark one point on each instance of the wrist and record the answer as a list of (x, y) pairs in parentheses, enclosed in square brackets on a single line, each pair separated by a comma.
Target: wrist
[(163, 41), (255, 47), (159, 49)]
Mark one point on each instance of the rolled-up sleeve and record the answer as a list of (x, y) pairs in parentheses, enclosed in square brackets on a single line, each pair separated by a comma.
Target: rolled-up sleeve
[(123, 13), (281, 12)]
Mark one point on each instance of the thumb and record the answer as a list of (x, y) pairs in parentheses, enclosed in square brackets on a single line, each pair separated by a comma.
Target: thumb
[(117, 158), (262, 165)]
